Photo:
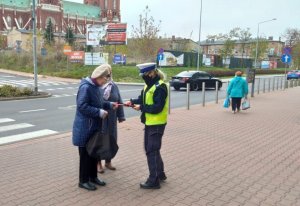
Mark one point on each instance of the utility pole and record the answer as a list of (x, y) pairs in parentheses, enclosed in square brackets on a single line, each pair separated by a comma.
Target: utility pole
[(199, 46), (34, 49)]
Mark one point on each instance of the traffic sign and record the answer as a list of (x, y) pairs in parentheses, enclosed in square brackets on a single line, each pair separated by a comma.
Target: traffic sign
[(286, 58), (161, 50), (287, 50), (160, 57), (43, 51)]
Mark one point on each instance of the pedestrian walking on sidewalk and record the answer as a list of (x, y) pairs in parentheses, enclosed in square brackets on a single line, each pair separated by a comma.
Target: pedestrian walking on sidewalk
[(153, 103), (111, 93), (90, 112), (237, 89)]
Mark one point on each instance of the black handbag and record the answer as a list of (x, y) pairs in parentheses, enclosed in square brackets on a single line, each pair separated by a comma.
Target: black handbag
[(101, 146)]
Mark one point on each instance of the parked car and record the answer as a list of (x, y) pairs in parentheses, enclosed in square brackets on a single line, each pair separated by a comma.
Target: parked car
[(195, 78), (294, 74)]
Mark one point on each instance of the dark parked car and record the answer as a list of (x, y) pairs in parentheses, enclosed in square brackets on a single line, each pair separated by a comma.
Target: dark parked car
[(195, 78)]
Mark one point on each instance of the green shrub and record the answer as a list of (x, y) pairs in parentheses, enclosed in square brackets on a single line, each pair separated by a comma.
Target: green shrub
[(11, 91)]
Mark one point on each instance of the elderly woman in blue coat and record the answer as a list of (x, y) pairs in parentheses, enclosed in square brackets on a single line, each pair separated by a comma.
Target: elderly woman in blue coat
[(237, 89), (91, 110)]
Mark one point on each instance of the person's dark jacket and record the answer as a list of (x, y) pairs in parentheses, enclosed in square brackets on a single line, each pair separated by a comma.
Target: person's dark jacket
[(159, 99), (88, 111)]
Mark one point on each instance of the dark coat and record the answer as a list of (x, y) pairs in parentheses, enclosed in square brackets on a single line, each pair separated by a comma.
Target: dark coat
[(87, 119), (114, 115)]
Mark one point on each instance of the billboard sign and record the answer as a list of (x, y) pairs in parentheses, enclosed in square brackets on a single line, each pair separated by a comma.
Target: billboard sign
[(95, 34), (76, 56), (119, 27), (116, 38), (96, 58), (67, 49), (106, 34), (170, 59)]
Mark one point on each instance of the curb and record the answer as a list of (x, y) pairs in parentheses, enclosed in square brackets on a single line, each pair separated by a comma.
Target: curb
[(40, 96)]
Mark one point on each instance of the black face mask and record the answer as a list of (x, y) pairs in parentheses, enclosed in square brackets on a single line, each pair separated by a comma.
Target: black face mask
[(147, 79)]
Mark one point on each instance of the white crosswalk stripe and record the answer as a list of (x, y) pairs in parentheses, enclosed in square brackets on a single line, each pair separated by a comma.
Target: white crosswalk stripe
[(14, 127), (30, 83), (15, 131)]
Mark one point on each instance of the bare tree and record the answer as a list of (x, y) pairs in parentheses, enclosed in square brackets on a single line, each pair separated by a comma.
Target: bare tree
[(145, 36), (292, 36)]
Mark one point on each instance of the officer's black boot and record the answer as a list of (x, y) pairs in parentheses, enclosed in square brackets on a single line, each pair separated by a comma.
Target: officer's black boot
[(150, 185)]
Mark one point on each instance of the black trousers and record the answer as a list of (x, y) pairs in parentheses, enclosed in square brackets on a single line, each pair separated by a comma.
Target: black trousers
[(236, 103), (87, 166), (153, 140)]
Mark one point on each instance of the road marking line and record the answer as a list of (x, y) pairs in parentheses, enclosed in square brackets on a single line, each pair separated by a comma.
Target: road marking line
[(60, 88), (50, 89), (15, 126), (36, 110), (26, 136), (4, 120)]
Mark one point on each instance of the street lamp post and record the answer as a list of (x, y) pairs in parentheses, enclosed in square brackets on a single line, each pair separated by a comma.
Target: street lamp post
[(257, 38), (256, 52), (34, 49), (199, 46)]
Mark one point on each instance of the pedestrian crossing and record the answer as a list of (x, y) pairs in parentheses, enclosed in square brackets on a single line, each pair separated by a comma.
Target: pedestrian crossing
[(30, 83), (12, 131)]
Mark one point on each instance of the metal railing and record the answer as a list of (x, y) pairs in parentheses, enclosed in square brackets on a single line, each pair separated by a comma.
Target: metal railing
[(263, 84)]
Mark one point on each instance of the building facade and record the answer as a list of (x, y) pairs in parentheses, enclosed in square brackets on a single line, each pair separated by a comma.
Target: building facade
[(243, 49), (16, 14)]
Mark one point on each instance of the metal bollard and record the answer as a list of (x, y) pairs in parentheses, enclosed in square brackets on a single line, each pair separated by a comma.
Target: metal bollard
[(291, 83), (203, 94), (169, 90), (281, 83), (269, 83), (258, 85), (273, 87), (264, 86), (188, 96), (217, 92), (277, 83)]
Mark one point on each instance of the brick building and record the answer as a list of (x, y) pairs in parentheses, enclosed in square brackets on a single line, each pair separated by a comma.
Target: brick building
[(213, 47), (63, 14)]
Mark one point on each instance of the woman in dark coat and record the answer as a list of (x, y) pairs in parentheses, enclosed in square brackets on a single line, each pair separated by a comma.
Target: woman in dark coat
[(111, 93), (90, 112)]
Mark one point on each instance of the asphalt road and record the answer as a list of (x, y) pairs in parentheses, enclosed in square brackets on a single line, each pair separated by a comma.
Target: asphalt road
[(39, 117)]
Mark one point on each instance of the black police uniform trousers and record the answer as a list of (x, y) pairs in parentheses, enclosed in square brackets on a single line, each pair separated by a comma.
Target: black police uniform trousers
[(87, 166), (153, 140)]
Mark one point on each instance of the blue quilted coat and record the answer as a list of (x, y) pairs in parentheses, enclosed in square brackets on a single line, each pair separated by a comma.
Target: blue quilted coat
[(87, 119)]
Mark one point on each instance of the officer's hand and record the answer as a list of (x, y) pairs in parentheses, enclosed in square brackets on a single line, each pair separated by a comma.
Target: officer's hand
[(128, 104), (137, 107)]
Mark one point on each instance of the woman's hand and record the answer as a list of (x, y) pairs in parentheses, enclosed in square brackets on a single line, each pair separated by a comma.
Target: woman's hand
[(115, 105), (103, 114), (137, 107)]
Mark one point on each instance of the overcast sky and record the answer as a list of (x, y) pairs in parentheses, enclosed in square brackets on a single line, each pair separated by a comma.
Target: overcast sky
[(181, 17)]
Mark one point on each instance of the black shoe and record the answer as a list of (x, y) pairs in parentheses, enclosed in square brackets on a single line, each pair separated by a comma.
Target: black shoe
[(98, 181), (88, 186), (163, 177), (148, 185)]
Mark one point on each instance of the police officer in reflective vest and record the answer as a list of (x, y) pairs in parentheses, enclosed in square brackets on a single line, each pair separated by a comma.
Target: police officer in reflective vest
[(153, 103)]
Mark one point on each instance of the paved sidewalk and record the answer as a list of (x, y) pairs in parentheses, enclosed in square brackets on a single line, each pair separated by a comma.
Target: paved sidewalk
[(212, 157)]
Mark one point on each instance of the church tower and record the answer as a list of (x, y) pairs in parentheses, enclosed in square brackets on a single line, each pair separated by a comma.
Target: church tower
[(110, 9)]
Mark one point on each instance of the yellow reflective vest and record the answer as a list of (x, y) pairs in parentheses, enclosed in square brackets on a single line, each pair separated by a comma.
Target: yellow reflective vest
[(160, 118)]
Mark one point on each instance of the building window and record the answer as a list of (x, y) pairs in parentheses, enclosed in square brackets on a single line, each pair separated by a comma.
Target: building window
[(20, 21), (105, 4), (115, 4), (8, 21)]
